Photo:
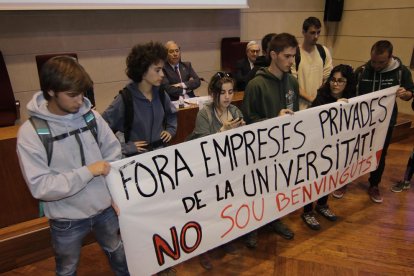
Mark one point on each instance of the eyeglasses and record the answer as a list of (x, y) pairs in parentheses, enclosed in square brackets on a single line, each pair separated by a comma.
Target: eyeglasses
[(223, 74), (254, 51), (339, 81)]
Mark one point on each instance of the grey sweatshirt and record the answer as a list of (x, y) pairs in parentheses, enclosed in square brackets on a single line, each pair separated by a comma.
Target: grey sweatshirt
[(68, 189)]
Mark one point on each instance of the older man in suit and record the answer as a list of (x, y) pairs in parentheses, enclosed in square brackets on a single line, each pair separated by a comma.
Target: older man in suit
[(245, 65), (180, 78)]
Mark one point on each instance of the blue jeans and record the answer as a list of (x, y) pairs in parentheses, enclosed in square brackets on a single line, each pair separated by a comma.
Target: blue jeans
[(67, 237)]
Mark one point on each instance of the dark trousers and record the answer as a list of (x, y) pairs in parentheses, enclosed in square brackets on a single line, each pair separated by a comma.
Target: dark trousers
[(410, 168), (375, 177), (322, 201)]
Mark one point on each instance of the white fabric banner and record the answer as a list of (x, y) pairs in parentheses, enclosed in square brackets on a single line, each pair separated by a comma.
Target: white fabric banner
[(183, 200)]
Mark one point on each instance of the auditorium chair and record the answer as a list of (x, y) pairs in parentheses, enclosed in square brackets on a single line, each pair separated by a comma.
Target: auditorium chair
[(41, 59), (9, 107), (231, 51)]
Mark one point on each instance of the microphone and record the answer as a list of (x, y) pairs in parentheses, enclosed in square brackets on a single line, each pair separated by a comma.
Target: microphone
[(202, 79)]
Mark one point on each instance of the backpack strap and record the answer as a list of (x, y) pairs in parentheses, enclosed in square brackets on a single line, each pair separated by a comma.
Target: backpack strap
[(91, 124), (322, 52), (162, 93), (43, 131), (129, 112), (359, 73)]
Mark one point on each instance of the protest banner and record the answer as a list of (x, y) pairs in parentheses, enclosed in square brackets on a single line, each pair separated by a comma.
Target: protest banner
[(183, 200)]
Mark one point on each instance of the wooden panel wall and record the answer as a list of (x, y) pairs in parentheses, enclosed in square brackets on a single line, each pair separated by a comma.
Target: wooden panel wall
[(16, 202)]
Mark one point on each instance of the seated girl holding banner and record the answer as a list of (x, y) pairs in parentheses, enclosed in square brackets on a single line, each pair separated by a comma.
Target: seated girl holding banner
[(217, 116)]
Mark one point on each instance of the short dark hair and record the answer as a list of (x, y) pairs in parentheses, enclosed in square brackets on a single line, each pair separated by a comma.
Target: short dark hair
[(63, 73), (215, 84), (281, 42), (141, 57), (311, 21), (265, 41), (382, 46)]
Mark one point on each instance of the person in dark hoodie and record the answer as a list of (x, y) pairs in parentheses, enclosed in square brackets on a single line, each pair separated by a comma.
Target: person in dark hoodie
[(154, 116), (340, 86), (271, 93), (404, 184), (263, 60), (383, 71), (69, 180)]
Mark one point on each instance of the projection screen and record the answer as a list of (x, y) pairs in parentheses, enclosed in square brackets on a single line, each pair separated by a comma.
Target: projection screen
[(120, 4)]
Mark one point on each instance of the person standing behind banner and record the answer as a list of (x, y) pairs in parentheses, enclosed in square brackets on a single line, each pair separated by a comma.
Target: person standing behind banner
[(218, 116), (409, 171), (142, 112), (271, 93), (313, 62), (340, 86), (383, 71), (67, 173)]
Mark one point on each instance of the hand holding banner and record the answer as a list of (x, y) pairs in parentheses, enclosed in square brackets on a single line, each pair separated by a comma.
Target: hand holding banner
[(183, 200)]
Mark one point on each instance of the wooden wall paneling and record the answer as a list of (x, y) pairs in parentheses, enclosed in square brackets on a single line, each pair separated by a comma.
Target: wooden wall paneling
[(16, 202)]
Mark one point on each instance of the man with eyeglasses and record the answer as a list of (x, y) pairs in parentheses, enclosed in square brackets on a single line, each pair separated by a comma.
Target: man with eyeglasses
[(271, 93), (245, 65), (383, 70), (313, 62), (263, 60), (180, 79)]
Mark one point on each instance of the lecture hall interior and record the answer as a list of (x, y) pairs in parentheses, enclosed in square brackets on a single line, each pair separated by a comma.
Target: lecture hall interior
[(367, 238)]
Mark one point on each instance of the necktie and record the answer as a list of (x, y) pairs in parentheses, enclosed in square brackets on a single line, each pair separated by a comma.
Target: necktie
[(178, 72)]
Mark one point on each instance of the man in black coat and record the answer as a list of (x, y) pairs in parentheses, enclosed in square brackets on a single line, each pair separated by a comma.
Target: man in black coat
[(245, 65)]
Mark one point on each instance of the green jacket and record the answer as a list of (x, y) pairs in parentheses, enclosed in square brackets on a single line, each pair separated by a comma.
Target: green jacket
[(265, 96)]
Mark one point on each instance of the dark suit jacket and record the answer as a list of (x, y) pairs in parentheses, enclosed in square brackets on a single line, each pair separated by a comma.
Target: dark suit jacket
[(171, 77), (242, 70), (261, 61)]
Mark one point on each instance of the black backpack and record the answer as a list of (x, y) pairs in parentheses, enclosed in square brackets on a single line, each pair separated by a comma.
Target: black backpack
[(321, 51), (43, 131), (129, 110)]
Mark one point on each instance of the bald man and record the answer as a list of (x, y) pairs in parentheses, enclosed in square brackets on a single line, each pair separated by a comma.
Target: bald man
[(180, 78)]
